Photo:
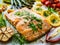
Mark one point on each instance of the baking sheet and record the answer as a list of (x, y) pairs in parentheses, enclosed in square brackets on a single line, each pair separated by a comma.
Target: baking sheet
[(40, 41)]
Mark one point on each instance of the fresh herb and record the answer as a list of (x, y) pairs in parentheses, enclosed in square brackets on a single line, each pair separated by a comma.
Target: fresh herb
[(2, 21), (18, 38), (27, 18), (26, 12), (21, 13), (38, 9), (47, 13), (38, 19), (51, 10), (27, 15), (17, 13), (35, 18), (54, 21), (31, 25), (39, 25)]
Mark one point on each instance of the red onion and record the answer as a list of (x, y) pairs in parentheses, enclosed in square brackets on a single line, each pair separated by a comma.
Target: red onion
[(53, 35)]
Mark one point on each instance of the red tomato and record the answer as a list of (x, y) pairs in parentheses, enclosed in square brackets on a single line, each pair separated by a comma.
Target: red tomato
[(52, 1), (58, 5), (56, 1), (53, 5), (43, 1), (47, 3)]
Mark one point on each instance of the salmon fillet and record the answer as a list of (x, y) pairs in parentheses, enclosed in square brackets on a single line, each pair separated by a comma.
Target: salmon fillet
[(28, 23)]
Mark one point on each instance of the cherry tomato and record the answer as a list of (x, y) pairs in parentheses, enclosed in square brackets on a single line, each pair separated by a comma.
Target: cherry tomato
[(47, 3), (43, 1), (52, 1), (53, 5), (58, 5), (56, 1)]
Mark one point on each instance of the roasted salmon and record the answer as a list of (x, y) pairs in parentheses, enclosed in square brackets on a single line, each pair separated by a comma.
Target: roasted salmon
[(28, 23)]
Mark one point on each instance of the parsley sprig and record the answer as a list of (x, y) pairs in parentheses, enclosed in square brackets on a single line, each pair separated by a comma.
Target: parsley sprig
[(31, 25)]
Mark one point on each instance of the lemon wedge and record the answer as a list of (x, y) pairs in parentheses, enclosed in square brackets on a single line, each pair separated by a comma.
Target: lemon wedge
[(54, 20)]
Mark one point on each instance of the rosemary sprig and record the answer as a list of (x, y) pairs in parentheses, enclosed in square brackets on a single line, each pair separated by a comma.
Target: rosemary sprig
[(20, 39)]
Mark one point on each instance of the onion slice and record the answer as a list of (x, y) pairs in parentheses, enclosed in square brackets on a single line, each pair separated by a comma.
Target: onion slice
[(53, 35)]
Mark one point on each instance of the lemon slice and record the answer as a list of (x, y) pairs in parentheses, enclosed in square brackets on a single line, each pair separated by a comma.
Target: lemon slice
[(38, 10), (54, 20)]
